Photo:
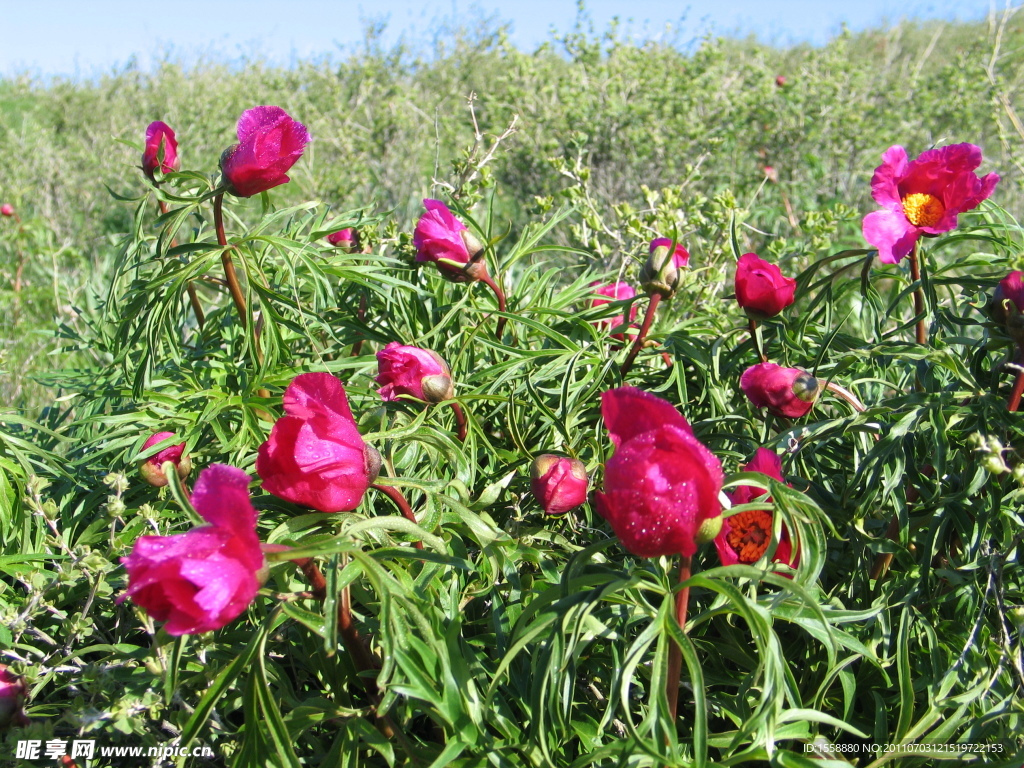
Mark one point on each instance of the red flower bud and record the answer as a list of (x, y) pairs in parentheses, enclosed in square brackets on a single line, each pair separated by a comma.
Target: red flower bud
[(787, 392), (443, 239), (661, 484), (1007, 305), (780, 80), (160, 141), (746, 536), (12, 699), (203, 579), (152, 469), (771, 174), (315, 454), (269, 143), (761, 288), (421, 373), (6, 209), (660, 273), (347, 239), (558, 483)]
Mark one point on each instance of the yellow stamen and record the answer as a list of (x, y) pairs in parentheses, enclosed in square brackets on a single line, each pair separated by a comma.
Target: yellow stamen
[(922, 209), (749, 535)]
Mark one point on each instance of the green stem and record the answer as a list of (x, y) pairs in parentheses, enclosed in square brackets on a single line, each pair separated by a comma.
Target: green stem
[(915, 275), (652, 307)]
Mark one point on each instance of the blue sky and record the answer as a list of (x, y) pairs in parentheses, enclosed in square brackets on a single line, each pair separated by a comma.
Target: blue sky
[(84, 38)]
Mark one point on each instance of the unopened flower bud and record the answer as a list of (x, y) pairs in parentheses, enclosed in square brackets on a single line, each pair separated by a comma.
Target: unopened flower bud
[(708, 530), (345, 239), (421, 373), (6, 209), (152, 469), (12, 699), (558, 483), (660, 273), (787, 392)]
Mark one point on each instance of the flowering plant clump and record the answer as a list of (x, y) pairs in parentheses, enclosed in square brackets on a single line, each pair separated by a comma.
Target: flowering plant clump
[(200, 580), (552, 568), (315, 455), (923, 196), (270, 142)]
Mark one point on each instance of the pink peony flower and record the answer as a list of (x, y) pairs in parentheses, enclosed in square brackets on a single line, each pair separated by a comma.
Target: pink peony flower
[(558, 483), (761, 288), (12, 699), (6, 209), (315, 454), (746, 536), (201, 580), (269, 143), (923, 196), (152, 468), (661, 484), (443, 239), (787, 392), (615, 292), (421, 373), (160, 139)]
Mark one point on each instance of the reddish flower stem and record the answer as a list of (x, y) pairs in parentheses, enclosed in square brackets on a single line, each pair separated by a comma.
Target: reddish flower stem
[(360, 315), (460, 420), (652, 307), (396, 496), (675, 653), (1018, 385), (915, 275), (229, 266), (193, 297), (752, 324), (487, 280), (845, 394)]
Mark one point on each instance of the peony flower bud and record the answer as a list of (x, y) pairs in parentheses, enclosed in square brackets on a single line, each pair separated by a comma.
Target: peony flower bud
[(660, 273), (661, 484), (444, 240), (6, 209), (421, 373), (558, 483), (160, 141), (12, 699), (780, 80), (787, 392), (346, 239), (1007, 305), (761, 288), (771, 174), (203, 579), (152, 469), (746, 536), (269, 143), (315, 454)]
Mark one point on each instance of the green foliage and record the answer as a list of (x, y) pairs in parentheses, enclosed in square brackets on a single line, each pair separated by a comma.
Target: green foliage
[(511, 639)]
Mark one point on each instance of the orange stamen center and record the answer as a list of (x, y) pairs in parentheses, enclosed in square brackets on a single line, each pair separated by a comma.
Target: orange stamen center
[(749, 535), (922, 209)]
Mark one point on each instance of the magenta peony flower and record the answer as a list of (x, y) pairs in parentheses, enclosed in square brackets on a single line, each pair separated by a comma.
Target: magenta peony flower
[(923, 196), (201, 580), (315, 454), (269, 143), (787, 392), (152, 468), (615, 292), (558, 483), (421, 373), (6, 209), (761, 288), (444, 240), (160, 139), (746, 536), (12, 699), (661, 485)]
